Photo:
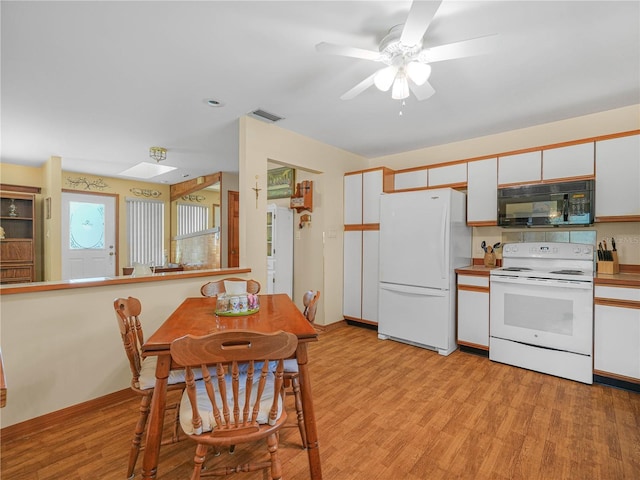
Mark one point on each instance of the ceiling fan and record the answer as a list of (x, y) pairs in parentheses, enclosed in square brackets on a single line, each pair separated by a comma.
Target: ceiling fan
[(408, 64)]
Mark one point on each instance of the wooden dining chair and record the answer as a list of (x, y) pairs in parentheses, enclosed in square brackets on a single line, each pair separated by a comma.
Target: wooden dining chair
[(243, 402), (291, 378), (310, 302), (212, 289), (143, 374)]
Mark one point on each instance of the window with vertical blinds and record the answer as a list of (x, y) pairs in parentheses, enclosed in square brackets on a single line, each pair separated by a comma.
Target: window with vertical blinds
[(145, 231), (192, 218)]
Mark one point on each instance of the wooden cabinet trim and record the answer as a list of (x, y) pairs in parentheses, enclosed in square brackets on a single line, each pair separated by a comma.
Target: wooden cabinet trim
[(473, 288), (486, 223), (473, 345), (622, 218), (614, 302), (19, 188), (616, 376)]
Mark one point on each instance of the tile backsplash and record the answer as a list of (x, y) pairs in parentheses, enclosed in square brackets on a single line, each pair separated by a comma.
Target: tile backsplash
[(626, 234), (575, 236)]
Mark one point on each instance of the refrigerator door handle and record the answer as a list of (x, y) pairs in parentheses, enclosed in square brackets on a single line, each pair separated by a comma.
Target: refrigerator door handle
[(411, 290)]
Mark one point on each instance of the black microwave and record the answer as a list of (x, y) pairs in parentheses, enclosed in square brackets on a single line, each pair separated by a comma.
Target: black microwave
[(547, 204)]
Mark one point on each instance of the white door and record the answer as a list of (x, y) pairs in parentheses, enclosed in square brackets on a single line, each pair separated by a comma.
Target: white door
[(414, 238), (283, 245), (88, 236)]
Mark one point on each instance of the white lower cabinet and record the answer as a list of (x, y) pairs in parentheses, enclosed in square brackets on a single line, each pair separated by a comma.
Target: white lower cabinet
[(617, 332), (473, 311), (370, 242), (352, 299), (360, 300)]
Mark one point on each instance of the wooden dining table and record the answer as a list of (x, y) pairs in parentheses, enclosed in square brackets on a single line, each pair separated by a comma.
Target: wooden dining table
[(196, 316)]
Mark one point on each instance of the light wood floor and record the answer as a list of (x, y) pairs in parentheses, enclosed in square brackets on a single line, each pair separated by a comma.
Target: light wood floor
[(390, 411)]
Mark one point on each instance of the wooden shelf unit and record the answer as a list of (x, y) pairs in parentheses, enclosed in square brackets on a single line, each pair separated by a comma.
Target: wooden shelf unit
[(303, 198), (17, 249)]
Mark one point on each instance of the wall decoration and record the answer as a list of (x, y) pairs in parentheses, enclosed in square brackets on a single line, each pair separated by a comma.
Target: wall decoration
[(257, 190), (194, 198), (78, 182), (145, 192), (280, 182)]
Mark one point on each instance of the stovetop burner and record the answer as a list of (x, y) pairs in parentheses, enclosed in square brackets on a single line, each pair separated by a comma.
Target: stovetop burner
[(516, 269), (569, 272)]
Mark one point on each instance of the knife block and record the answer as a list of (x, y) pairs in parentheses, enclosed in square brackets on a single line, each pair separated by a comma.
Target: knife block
[(608, 266), (489, 259)]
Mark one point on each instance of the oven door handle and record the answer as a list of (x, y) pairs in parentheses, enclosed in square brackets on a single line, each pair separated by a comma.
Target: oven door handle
[(546, 282)]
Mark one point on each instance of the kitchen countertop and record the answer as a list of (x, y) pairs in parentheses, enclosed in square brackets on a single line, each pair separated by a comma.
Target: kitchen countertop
[(479, 270), (627, 279)]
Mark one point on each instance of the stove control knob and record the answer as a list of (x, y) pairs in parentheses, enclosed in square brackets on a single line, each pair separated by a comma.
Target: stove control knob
[(586, 250), (576, 250)]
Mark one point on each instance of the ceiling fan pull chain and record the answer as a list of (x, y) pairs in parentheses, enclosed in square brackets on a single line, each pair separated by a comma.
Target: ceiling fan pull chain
[(401, 106)]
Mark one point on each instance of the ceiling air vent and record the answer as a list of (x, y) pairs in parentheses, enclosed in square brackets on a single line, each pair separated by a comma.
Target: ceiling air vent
[(265, 116)]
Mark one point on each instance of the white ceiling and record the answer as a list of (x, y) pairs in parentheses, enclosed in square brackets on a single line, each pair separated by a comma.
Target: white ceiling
[(98, 83)]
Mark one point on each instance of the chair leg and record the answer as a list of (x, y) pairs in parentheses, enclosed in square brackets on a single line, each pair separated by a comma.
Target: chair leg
[(198, 461), (276, 466), (295, 383), (145, 402)]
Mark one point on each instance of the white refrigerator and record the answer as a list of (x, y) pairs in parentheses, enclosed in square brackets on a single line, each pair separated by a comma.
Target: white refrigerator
[(423, 239)]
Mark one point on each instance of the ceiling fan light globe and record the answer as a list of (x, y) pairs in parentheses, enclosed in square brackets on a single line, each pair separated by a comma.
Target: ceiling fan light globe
[(384, 78), (418, 72), (400, 89)]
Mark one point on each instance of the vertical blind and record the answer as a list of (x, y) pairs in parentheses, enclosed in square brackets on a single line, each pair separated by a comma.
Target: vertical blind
[(145, 231), (192, 218)]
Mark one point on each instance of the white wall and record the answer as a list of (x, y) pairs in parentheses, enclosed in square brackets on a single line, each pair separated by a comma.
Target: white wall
[(261, 142)]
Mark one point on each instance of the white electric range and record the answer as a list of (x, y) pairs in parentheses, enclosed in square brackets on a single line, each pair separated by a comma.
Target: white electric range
[(541, 315)]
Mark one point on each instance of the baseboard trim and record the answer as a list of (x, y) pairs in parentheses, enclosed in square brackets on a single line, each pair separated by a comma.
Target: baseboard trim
[(616, 383), (52, 419), (355, 323)]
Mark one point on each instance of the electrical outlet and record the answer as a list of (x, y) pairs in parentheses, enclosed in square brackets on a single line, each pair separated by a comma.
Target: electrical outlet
[(298, 235)]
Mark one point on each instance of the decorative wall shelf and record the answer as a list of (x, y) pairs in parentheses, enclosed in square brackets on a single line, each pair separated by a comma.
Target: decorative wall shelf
[(303, 199)]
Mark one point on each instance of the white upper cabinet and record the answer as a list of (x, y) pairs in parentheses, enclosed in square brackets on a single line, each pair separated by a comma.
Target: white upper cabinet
[(372, 182), (568, 162), (353, 199), (520, 168), (411, 179), (618, 177), (448, 175), (362, 197), (482, 191)]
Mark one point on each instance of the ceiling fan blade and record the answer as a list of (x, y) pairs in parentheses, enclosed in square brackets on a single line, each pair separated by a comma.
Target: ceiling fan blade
[(359, 88), (422, 92), (418, 20), (464, 48), (333, 49)]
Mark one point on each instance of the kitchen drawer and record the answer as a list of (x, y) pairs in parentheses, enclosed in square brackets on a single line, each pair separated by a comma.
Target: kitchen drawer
[(618, 293), (15, 274), (474, 280)]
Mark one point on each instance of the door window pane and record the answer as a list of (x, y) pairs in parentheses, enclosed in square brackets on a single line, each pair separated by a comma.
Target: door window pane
[(86, 225)]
